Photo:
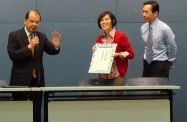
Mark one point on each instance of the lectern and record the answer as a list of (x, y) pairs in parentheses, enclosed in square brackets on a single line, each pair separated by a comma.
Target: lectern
[(66, 104)]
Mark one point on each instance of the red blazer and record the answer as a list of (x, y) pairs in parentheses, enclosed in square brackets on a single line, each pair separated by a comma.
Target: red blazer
[(122, 45)]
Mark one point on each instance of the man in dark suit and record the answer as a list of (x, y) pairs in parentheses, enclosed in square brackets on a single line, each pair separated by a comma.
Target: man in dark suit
[(25, 49)]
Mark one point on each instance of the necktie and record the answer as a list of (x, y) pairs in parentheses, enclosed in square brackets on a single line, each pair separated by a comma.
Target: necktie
[(149, 49), (32, 50), (30, 37)]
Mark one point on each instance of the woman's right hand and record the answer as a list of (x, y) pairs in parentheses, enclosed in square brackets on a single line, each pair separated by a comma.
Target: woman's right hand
[(93, 49)]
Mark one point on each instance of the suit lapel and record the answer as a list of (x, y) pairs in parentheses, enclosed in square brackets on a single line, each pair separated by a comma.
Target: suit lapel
[(24, 37)]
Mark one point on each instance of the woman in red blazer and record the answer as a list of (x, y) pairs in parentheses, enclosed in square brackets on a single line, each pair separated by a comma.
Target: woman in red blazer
[(106, 22)]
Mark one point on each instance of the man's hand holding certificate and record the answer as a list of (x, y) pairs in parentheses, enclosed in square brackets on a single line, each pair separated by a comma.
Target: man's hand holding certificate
[(102, 58)]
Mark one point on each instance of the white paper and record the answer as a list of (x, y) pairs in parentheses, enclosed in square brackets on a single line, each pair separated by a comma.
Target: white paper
[(102, 58)]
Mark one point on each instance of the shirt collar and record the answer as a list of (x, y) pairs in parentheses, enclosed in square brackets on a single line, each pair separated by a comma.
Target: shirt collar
[(154, 23), (27, 32), (111, 34)]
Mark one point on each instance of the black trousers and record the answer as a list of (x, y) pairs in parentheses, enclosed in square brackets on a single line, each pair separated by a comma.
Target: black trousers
[(156, 69), (35, 97)]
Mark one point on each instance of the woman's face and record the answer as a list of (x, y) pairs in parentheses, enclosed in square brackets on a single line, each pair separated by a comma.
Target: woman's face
[(106, 23)]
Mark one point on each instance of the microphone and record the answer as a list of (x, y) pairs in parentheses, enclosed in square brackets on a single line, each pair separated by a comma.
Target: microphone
[(34, 34)]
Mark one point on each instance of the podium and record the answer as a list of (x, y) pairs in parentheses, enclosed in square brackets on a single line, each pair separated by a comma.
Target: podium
[(144, 100), (66, 104)]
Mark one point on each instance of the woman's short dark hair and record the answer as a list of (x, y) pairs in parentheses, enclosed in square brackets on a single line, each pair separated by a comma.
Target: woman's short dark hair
[(28, 12), (111, 15), (154, 4)]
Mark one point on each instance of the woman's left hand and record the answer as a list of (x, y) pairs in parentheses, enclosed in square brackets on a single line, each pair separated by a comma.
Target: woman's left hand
[(121, 54)]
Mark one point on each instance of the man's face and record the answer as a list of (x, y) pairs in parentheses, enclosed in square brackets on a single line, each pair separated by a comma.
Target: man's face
[(33, 22), (148, 15)]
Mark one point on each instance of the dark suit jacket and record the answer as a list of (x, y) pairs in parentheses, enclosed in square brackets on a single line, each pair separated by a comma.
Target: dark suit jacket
[(23, 60)]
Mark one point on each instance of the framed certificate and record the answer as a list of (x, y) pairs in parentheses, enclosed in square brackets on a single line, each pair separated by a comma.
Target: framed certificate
[(102, 58)]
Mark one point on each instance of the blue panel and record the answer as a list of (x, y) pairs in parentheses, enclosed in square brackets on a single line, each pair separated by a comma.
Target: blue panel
[(13, 11), (129, 10), (172, 10), (74, 10)]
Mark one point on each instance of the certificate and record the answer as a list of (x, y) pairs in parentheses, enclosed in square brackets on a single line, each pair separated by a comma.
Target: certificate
[(102, 58)]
